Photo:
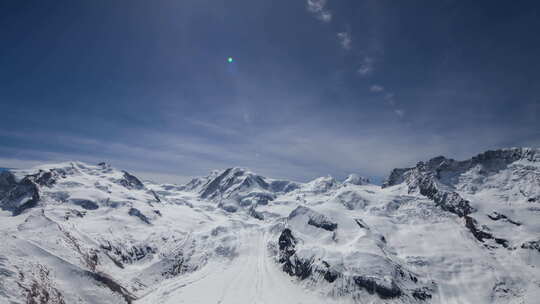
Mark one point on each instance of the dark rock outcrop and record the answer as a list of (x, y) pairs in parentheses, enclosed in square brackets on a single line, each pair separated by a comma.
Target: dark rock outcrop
[(137, 213), (17, 196), (127, 255), (256, 214), (482, 235), (111, 284), (85, 204), (156, 196), (373, 287), (314, 218), (131, 182), (291, 264), (45, 178), (533, 245), (287, 244), (313, 268), (323, 224), (329, 274), (495, 216), (361, 224), (422, 294)]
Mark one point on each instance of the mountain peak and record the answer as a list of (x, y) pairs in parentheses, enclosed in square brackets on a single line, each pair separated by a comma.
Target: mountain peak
[(238, 186), (355, 179), (490, 161)]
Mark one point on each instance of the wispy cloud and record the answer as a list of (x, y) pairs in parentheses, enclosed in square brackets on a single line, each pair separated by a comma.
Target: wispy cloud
[(345, 40), (389, 98), (318, 8), (366, 66), (376, 88), (298, 151)]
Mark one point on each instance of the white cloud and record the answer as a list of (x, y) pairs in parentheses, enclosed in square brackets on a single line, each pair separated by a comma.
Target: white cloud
[(325, 16), (318, 8), (345, 40), (389, 97), (366, 67), (376, 88)]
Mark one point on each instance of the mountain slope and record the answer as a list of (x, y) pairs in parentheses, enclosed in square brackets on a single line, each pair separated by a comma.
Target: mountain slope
[(444, 231)]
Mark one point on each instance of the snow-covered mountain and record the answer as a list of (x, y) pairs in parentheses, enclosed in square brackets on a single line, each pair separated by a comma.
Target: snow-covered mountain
[(444, 231)]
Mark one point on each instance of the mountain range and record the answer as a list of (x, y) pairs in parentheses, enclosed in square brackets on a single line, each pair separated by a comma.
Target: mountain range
[(443, 231)]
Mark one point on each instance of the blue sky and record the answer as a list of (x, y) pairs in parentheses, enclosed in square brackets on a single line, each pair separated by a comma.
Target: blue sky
[(316, 87)]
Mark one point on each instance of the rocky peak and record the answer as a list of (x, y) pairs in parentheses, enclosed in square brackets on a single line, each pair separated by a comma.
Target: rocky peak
[(231, 180), (235, 187), (445, 168)]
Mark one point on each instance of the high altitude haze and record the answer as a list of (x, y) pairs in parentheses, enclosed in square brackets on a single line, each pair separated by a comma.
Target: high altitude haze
[(291, 89)]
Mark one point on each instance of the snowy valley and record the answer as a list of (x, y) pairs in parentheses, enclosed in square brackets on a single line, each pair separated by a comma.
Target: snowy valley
[(444, 231)]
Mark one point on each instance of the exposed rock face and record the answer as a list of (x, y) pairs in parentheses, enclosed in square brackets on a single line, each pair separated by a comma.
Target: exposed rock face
[(448, 170), (371, 286), (131, 182), (314, 218), (137, 213), (17, 196), (290, 262), (127, 255), (237, 187), (39, 288), (396, 283), (85, 204), (533, 245), (445, 181), (498, 216), (372, 272), (112, 285), (438, 177), (423, 178), (481, 234), (7, 182)]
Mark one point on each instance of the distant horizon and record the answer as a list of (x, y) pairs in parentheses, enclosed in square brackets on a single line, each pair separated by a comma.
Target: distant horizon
[(173, 179)]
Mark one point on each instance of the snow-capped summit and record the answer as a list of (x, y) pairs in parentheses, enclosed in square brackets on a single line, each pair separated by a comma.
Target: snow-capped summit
[(502, 182), (321, 185), (239, 185), (75, 183), (448, 171), (355, 179)]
